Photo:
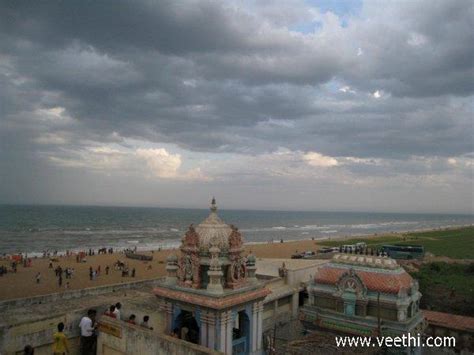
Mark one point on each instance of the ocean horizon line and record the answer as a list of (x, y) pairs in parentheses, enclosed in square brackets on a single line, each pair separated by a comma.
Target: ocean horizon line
[(6, 204)]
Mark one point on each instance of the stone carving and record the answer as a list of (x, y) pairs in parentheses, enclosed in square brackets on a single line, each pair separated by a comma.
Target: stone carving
[(191, 238), (196, 271), (351, 282), (188, 272), (235, 238), (215, 271), (237, 273), (189, 266), (214, 264), (238, 269), (282, 271)]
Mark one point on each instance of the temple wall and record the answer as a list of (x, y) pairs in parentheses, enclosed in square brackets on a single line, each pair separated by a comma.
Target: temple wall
[(38, 334), (129, 339), (278, 311), (38, 331), (62, 296), (296, 276), (325, 302), (46, 349)]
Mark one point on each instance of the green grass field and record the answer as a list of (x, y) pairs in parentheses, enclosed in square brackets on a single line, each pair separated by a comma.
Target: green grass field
[(455, 243), (440, 282)]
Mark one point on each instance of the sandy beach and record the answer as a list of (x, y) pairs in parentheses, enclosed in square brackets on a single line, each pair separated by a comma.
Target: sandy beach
[(23, 282)]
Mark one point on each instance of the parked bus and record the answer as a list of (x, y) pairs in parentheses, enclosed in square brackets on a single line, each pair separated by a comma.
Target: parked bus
[(406, 252)]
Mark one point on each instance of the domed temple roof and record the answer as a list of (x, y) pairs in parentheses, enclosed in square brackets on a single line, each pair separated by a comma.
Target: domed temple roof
[(205, 249), (378, 274), (213, 231)]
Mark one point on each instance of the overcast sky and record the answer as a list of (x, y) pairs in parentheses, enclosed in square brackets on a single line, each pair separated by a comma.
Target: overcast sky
[(294, 105)]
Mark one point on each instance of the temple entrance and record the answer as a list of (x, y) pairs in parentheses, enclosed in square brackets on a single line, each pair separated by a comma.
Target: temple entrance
[(186, 327), (241, 334)]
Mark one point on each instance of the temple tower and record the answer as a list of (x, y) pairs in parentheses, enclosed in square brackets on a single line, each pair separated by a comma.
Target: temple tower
[(211, 295)]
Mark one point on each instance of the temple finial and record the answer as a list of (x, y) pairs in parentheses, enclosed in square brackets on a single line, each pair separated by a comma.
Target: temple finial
[(213, 205)]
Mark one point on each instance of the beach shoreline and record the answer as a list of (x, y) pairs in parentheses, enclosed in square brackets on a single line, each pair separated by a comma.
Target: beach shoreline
[(23, 283), (174, 244)]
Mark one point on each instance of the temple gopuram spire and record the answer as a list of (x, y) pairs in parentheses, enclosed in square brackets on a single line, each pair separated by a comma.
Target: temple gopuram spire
[(213, 205)]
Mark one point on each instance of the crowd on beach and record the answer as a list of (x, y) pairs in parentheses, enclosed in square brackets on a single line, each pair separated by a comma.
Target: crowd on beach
[(94, 273), (14, 262), (89, 327), (53, 254), (65, 274)]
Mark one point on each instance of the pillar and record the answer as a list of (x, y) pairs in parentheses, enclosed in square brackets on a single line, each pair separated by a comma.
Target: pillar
[(295, 301), (230, 326), (211, 330), (259, 325), (172, 270), (224, 341), (208, 329), (254, 327), (222, 331), (167, 309), (204, 337)]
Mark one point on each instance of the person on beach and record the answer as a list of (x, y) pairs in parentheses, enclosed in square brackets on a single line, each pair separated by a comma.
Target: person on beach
[(133, 272), (107, 270), (60, 280), (88, 336), (38, 277), (60, 342), (118, 306)]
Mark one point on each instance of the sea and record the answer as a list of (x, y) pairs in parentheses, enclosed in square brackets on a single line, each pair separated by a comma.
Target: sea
[(36, 229)]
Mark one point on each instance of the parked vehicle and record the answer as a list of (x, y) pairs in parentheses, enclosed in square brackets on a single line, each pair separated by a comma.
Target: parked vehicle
[(406, 252), (303, 255)]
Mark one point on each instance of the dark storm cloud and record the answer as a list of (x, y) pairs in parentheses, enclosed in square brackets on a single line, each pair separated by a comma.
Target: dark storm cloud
[(221, 78), (418, 49), (168, 26)]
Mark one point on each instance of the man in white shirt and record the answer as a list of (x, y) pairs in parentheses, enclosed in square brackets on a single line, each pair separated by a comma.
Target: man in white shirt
[(88, 336), (118, 306)]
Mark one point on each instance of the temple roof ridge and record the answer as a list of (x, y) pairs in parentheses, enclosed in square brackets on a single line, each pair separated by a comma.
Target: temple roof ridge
[(366, 260)]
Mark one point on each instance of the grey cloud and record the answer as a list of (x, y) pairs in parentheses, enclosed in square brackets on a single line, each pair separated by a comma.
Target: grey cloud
[(210, 76)]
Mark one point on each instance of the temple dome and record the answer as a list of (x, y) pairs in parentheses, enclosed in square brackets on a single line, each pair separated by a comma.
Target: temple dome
[(213, 231)]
